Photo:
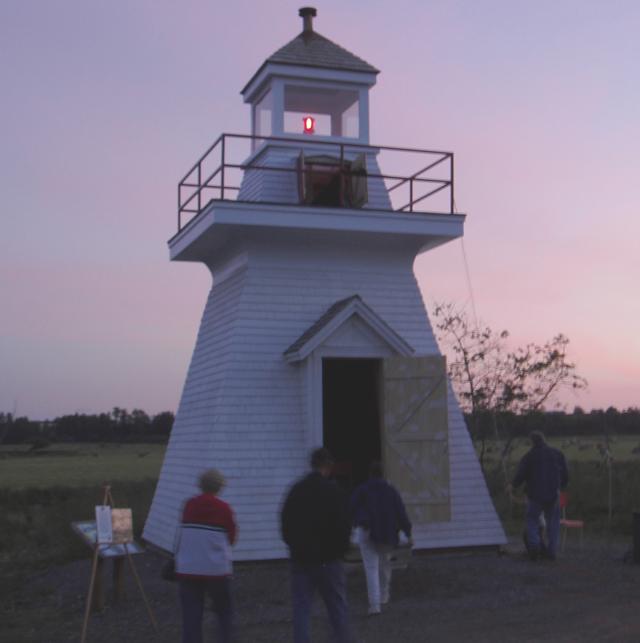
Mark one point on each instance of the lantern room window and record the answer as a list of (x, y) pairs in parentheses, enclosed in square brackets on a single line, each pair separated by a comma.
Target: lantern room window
[(262, 114), (335, 111)]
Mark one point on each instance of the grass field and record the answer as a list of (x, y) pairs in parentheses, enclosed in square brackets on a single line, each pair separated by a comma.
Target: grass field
[(86, 464), (42, 492), (575, 449), (593, 482), (78, 464)]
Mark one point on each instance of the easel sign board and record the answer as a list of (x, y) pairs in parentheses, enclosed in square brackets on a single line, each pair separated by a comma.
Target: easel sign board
[(114, 525), (87, 530), (110, 535)]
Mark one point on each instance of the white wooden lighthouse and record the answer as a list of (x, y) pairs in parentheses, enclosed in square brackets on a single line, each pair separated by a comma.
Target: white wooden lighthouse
[(315, 332)]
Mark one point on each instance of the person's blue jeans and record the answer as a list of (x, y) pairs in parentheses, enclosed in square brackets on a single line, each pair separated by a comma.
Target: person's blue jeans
[(192, 597), (551, 512), (330, 581)]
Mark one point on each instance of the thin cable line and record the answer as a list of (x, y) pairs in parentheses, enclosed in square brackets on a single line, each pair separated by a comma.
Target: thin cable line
[(469, 285)]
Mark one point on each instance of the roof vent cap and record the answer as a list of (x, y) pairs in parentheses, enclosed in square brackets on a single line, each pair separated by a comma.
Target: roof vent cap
[(307, 14)]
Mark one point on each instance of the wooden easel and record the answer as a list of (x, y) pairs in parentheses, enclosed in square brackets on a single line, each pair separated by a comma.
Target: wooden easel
[(108, 500)]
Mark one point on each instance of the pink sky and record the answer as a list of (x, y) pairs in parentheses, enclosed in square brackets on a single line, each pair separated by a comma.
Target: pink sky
[(106, 105)]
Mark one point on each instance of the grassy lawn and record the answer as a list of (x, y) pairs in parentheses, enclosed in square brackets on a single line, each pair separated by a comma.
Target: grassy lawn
[(80, 464)]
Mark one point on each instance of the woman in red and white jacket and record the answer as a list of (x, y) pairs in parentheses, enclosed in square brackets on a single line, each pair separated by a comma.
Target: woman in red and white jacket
[(203, 559)]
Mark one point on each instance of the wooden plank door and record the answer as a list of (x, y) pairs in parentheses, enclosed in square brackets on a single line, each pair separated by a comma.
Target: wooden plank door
[(415, 435)]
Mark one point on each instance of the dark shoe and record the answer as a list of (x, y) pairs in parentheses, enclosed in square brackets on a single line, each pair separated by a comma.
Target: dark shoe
[(534, 554)]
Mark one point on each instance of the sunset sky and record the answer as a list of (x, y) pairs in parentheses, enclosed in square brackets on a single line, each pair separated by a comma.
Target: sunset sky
[(105, 105)]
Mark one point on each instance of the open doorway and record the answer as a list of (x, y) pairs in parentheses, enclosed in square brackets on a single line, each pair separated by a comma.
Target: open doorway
[(351, 416)]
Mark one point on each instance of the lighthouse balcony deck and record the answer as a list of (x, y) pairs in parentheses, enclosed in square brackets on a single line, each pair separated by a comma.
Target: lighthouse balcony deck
[(317, 172)]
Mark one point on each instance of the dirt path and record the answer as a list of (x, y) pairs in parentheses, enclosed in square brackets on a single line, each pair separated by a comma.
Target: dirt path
[(588, 595)]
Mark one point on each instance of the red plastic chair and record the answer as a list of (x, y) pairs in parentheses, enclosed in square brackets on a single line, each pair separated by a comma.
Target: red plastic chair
[(566, 523)]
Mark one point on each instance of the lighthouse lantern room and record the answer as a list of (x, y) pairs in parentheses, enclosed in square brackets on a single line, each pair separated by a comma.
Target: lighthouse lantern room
[(311, 86), (314, 332)]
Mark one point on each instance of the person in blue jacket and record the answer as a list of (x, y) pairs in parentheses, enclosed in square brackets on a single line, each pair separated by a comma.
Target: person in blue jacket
[(543, 470), (378, 514)]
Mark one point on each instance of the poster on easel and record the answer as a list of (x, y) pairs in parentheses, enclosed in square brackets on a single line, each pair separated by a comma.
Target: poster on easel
[(104, 530), (121, 526)]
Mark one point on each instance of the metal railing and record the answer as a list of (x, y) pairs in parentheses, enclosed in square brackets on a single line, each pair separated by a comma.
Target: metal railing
[(195, 188)]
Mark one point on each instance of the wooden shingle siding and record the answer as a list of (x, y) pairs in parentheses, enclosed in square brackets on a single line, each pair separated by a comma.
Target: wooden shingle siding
[(271, 186), (244, 408), (189, 448), (378, 195)]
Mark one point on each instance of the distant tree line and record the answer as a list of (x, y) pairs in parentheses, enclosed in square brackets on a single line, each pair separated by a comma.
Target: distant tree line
[(119, 425), (597, 422), (136, 426)]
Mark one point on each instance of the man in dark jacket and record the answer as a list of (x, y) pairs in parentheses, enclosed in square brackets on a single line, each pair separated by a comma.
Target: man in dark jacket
[(378, 515), (316, 528), (544, 472)]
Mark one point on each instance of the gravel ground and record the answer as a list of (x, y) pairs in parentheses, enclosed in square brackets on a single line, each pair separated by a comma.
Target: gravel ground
[(587, 595)]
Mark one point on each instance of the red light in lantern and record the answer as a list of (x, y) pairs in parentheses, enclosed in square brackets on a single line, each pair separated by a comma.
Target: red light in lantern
[(309, 125)]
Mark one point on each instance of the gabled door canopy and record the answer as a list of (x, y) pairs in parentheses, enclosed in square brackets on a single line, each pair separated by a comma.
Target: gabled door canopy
[(335, 317)]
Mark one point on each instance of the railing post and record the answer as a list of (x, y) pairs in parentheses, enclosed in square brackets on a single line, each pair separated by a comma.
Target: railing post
[(179, 207), (342, 176), (452, 204), (411, 194), (224, 136), (199, 185)]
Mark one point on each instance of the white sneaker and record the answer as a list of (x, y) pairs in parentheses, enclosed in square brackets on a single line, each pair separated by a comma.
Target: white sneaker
[(373, 610)]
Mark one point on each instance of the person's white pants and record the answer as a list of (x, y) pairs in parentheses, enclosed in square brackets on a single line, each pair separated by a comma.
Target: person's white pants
[(377, 569)]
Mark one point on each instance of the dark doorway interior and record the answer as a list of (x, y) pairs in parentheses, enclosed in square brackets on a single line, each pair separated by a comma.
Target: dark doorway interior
[(351, 416)]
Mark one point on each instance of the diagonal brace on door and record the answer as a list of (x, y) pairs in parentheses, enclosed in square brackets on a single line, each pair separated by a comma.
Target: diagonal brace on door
[(420, 402), (411, 413)]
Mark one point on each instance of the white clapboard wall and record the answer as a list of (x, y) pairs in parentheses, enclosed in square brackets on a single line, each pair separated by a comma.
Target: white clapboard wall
[(243, 408)]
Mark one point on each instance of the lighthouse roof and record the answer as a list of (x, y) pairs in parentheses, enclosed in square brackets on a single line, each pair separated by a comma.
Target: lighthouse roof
[(311, 49)]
